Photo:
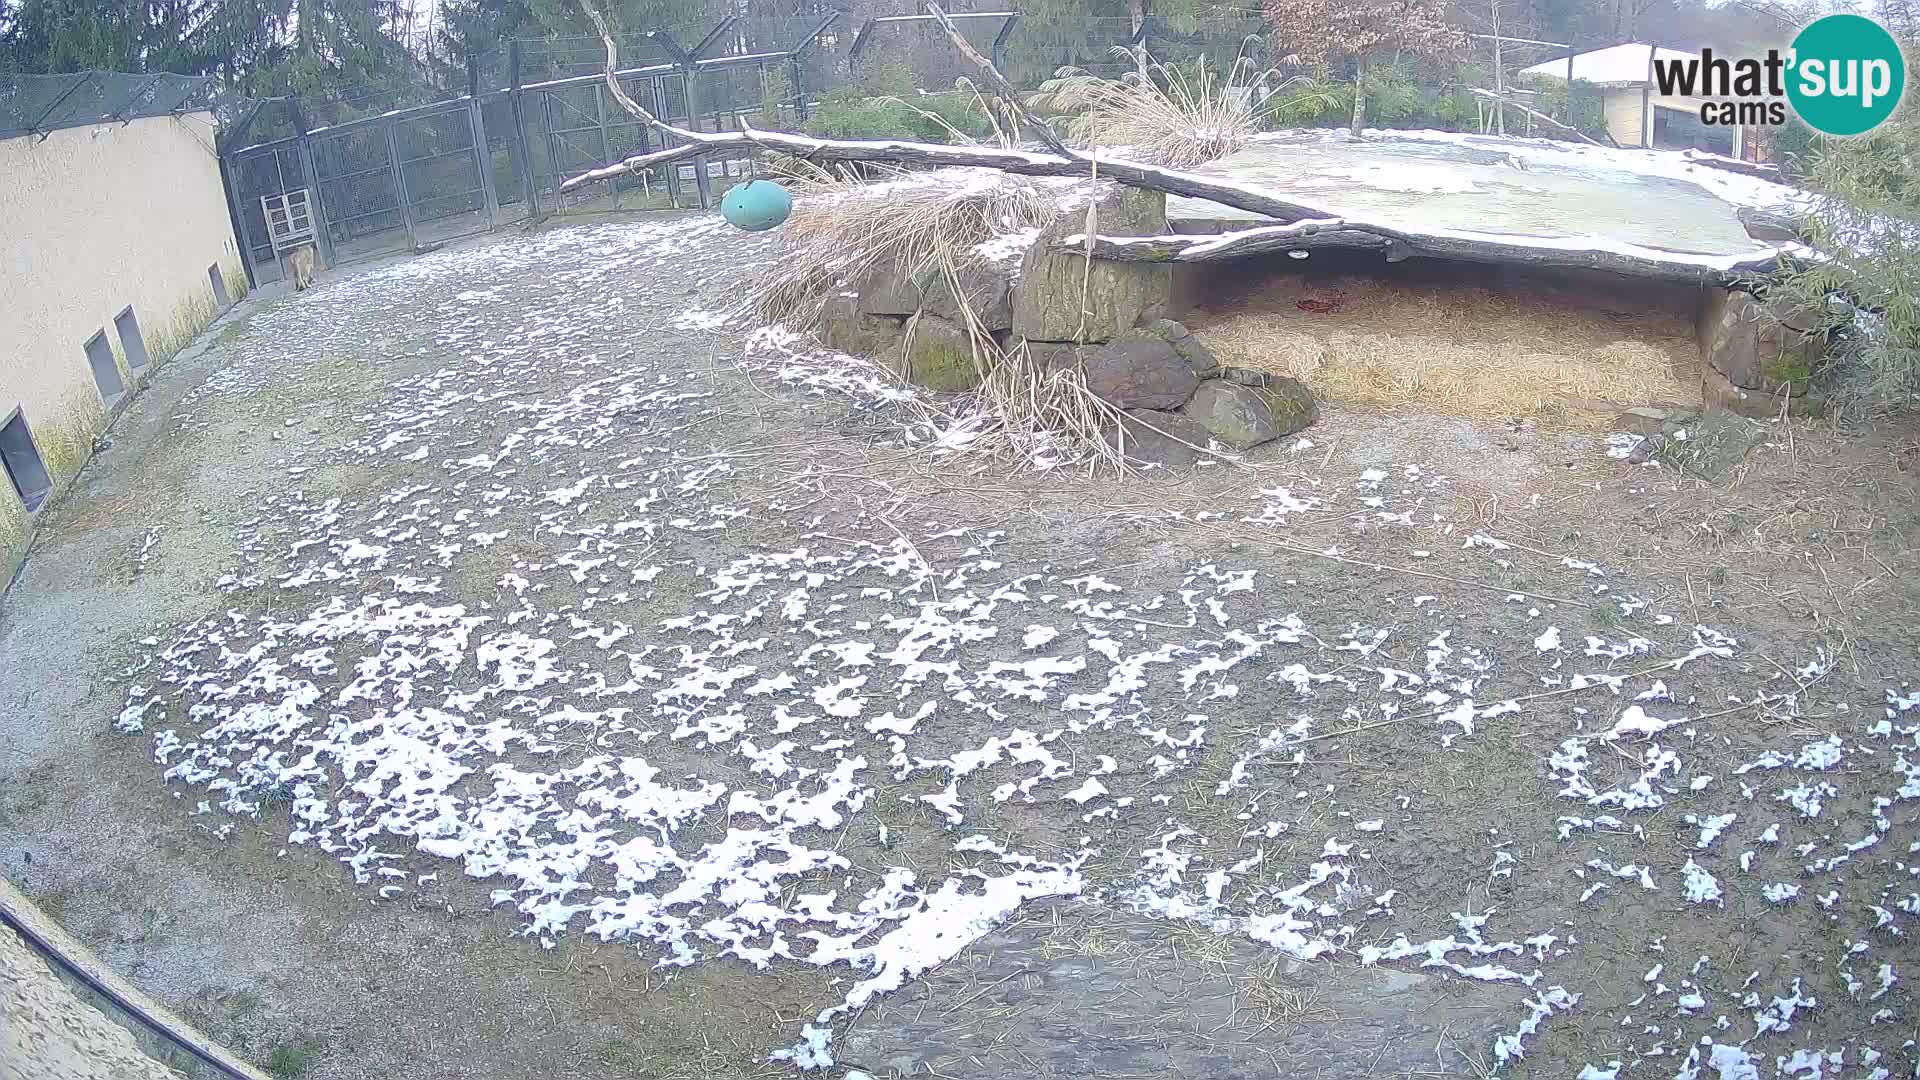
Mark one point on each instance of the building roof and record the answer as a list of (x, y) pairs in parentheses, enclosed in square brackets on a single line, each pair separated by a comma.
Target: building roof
[(1619, 65)]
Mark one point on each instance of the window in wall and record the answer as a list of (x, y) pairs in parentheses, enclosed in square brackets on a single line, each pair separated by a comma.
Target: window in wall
[(106, 370), (127, 325), (22, 462)]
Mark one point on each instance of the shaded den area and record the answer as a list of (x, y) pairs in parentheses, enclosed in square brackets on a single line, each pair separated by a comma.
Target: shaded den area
[(1473, 339)]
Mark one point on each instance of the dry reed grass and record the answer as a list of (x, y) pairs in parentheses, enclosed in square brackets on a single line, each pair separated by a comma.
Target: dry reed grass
[(846, 225), (1169, 115), (1464, 350)]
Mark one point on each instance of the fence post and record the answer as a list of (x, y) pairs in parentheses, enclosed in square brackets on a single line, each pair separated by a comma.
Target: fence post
[(239, 224), (1573, 120), (606, 139), (482, 154), (1006, 31), (553, 144), (688, 64), (812, 40), (400, 186), (701, 182), (322, 229), (522, 153)]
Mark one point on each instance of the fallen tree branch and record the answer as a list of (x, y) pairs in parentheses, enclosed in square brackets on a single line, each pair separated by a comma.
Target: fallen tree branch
[(1021, 162), (1537, 115)]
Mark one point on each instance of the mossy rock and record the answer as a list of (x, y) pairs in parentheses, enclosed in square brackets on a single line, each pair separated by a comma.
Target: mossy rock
[(1756, 345), (1048, 297), (1191, 349), (1244, 416), (939, 357)]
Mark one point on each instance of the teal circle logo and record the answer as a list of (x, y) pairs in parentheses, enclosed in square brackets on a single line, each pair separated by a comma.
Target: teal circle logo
[(1846, 75)]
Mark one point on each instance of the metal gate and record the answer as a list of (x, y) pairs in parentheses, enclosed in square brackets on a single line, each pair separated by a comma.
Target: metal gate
[(265, 170)]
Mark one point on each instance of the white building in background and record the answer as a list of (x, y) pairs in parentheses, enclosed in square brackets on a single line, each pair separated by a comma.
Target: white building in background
[(1637, 114), (116, 248)]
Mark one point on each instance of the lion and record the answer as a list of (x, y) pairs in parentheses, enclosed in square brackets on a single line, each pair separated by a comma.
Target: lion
[(301, 260)]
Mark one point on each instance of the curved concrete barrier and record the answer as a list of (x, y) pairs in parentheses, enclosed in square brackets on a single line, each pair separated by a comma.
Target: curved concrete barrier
[(53, 994)]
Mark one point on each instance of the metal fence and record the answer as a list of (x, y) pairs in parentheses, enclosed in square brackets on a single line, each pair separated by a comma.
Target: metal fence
[(417, 176)]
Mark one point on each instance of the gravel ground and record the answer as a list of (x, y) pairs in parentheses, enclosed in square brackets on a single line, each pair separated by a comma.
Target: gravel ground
[(503, 662)]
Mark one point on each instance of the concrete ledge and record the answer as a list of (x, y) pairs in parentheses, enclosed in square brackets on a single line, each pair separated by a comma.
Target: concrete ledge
[(155, 1030)]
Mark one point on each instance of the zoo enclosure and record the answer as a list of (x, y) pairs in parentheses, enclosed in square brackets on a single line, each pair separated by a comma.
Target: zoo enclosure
[(421, 173)]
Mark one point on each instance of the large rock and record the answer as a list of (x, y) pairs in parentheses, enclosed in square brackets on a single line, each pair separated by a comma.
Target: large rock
[(1718, 391), (986, 291), (1060, 355), (1159, 438), (845, 327), (1190, 348), (1047, 300), (1246, 416), (1140, 371), (939, 355), (888, 290), (1757, 346)]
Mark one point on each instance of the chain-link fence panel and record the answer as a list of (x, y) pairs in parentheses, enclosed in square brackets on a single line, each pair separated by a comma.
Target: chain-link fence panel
[(360, 190), (503, 156)]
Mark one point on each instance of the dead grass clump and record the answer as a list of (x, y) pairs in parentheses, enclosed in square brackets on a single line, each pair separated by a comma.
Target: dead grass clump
[(1463, 350), (1167, 115), (845, 226)]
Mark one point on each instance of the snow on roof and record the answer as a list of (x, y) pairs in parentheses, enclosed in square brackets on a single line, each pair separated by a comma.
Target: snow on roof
[(1616, 64)]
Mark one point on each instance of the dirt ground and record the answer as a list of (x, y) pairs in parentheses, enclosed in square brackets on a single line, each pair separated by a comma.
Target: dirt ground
[(499, 663)]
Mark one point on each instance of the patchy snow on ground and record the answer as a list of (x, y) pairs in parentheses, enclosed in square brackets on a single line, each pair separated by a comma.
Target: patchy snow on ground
[(645, 683)]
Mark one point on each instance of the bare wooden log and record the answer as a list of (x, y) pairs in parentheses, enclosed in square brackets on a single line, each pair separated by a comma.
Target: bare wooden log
[(1537, 115), (1021, 162), (1308, 235)]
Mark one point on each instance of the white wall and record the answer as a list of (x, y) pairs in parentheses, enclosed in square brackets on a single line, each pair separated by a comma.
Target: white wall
[(93, 219), (1622, 106)]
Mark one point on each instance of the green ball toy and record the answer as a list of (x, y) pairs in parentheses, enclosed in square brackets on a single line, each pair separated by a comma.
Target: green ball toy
[(756, 205)]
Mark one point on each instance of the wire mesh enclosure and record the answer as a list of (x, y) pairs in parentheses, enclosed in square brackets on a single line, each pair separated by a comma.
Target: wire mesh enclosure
[(38, 104)]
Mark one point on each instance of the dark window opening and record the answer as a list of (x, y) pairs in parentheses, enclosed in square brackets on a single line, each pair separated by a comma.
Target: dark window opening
[(22, 461), (127, 325), (106, 371)]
